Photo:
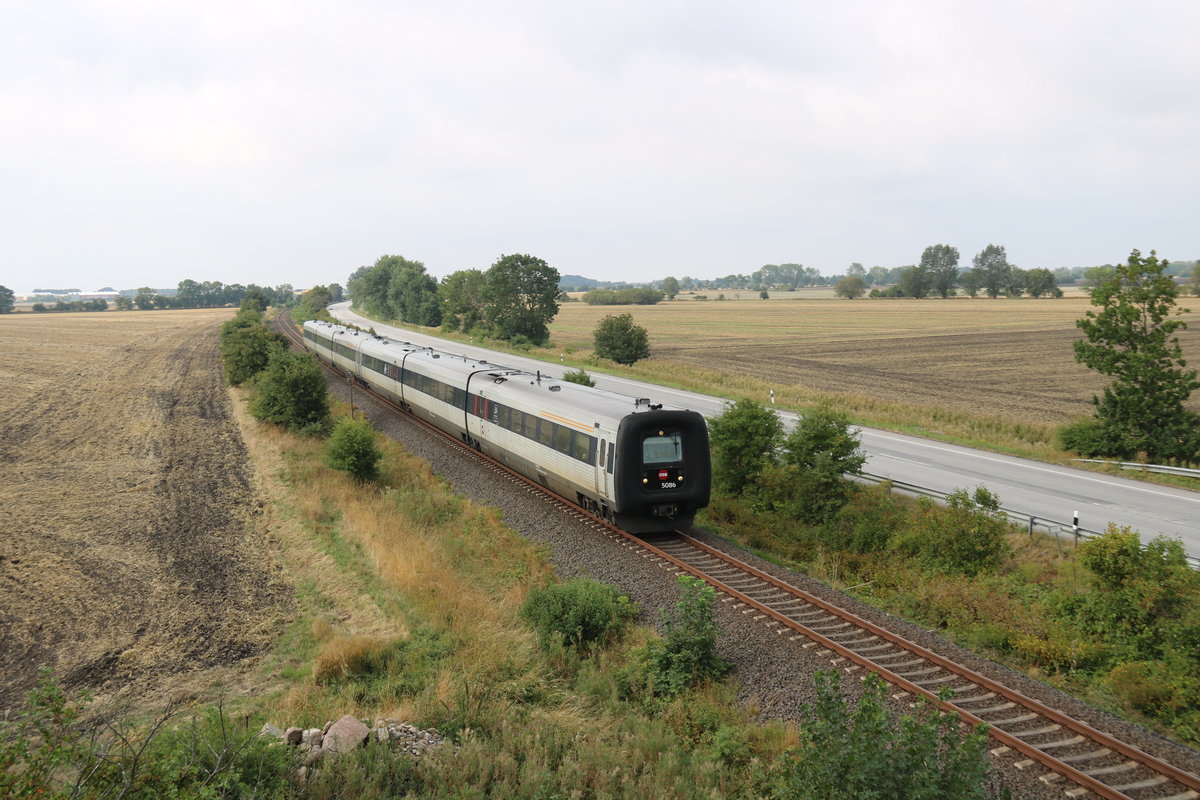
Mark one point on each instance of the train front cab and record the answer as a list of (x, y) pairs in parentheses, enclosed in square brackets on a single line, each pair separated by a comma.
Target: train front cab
[(663, 472)]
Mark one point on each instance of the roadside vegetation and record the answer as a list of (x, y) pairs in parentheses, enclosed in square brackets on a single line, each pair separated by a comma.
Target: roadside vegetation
[(1114, 620)]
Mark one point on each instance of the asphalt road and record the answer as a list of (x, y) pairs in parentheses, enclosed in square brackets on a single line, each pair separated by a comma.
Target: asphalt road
[(1046, 491)]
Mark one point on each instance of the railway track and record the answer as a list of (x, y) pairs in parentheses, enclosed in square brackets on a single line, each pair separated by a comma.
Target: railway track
[(1083, 760)]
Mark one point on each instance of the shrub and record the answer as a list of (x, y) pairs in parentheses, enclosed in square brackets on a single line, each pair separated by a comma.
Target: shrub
[(246, 349), (744, 438), (578, 376), (687, 653), (291, 391), (352, 449), (846, 754), (1089, 438), (580, 613), (967, 537), (617, 337)]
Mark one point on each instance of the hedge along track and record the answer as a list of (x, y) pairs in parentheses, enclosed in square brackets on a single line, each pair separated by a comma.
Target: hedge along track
[(1094, 761)]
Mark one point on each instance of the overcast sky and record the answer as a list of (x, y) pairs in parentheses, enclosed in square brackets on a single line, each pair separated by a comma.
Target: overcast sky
[(147, 141)]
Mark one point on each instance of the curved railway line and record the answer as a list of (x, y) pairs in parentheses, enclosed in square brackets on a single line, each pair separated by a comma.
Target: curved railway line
[(1085, 760)]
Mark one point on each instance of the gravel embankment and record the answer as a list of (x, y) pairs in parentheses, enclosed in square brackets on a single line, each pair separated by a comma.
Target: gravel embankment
[(776, 674)]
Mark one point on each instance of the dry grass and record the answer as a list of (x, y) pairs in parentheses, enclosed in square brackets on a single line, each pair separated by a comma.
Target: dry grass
[(381, 560)]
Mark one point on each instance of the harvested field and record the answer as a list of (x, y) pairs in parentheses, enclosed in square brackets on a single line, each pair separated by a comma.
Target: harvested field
[(1003, 358), (132, 558)]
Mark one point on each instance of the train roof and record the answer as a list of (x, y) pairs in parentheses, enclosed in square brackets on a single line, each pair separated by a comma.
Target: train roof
[(532, 387)]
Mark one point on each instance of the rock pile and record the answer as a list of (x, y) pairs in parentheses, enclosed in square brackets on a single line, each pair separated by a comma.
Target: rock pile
[(348, 733)]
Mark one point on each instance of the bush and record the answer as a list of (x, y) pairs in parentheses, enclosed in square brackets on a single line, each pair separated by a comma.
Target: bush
[(968, 537), (744, 438), (619, 339), (846, 754), (246, 350), (578, 376), (1090, 439), (687, 653), (352, 449), (291, 391), (580, 613)]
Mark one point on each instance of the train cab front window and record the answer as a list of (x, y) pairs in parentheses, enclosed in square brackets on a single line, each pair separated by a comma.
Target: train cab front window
[(662, 449)]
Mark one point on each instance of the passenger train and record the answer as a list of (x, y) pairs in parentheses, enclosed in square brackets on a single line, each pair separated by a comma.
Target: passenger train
[(644, 467)]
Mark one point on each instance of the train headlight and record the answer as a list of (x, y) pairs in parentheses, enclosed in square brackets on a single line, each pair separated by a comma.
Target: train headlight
[(645, 480)]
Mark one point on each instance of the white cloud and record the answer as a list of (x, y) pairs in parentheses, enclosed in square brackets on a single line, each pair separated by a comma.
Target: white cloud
[(270, 141)]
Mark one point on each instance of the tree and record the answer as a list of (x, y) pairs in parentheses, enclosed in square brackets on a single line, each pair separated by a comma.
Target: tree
[(521, 297), (1040, 281), (292, 392), (1196, 278), (850, 287), (352, 449), (971, 282), (124, 303), (743, 439), (617, 337), (915, 282), (144, 299), (940, 262), (255, 299), (857, 269), (670, 287), (6, 300), (992, 263), (1131, 339), (461, 295), (413, 294)]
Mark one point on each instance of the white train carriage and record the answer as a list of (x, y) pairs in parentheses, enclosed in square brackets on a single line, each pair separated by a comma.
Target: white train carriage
[(642, 466)]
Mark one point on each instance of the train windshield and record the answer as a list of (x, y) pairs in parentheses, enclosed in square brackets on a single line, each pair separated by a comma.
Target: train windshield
[(662, 449)]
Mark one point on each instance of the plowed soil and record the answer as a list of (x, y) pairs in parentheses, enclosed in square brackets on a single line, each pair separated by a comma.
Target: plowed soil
[(132, 557), (1004, 358)]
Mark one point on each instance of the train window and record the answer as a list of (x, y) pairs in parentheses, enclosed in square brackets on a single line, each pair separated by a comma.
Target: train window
[(562, 439), (603, 447), (581, 446), (531, 426), (546, 433), (665, 449)]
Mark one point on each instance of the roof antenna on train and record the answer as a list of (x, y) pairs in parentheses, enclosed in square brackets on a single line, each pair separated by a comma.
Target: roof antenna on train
[(539, 377)]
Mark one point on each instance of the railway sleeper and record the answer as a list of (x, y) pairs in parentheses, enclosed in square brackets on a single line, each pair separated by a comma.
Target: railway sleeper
[(916, 672), (1016, 721), (990, 709), (1124, 766), (968, 700), (1071, 743)]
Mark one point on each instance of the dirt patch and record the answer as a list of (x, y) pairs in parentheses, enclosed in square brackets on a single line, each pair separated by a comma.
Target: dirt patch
[(133, 557)]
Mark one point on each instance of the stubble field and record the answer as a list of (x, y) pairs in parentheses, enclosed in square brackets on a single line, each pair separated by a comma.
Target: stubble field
[(1004, 358), (132, 556)]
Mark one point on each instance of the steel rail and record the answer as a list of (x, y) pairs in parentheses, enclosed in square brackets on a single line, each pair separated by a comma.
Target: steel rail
[(1152, 763)]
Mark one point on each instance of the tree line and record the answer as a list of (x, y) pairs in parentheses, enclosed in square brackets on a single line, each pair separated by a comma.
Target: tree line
[(515, 299)]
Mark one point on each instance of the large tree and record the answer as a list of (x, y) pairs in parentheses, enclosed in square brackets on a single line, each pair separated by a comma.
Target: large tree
[(915, 282), (522, 297), (940, 261), (462, 295), (1131, 338), (6, 300), (413, 294), (993, 266)]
